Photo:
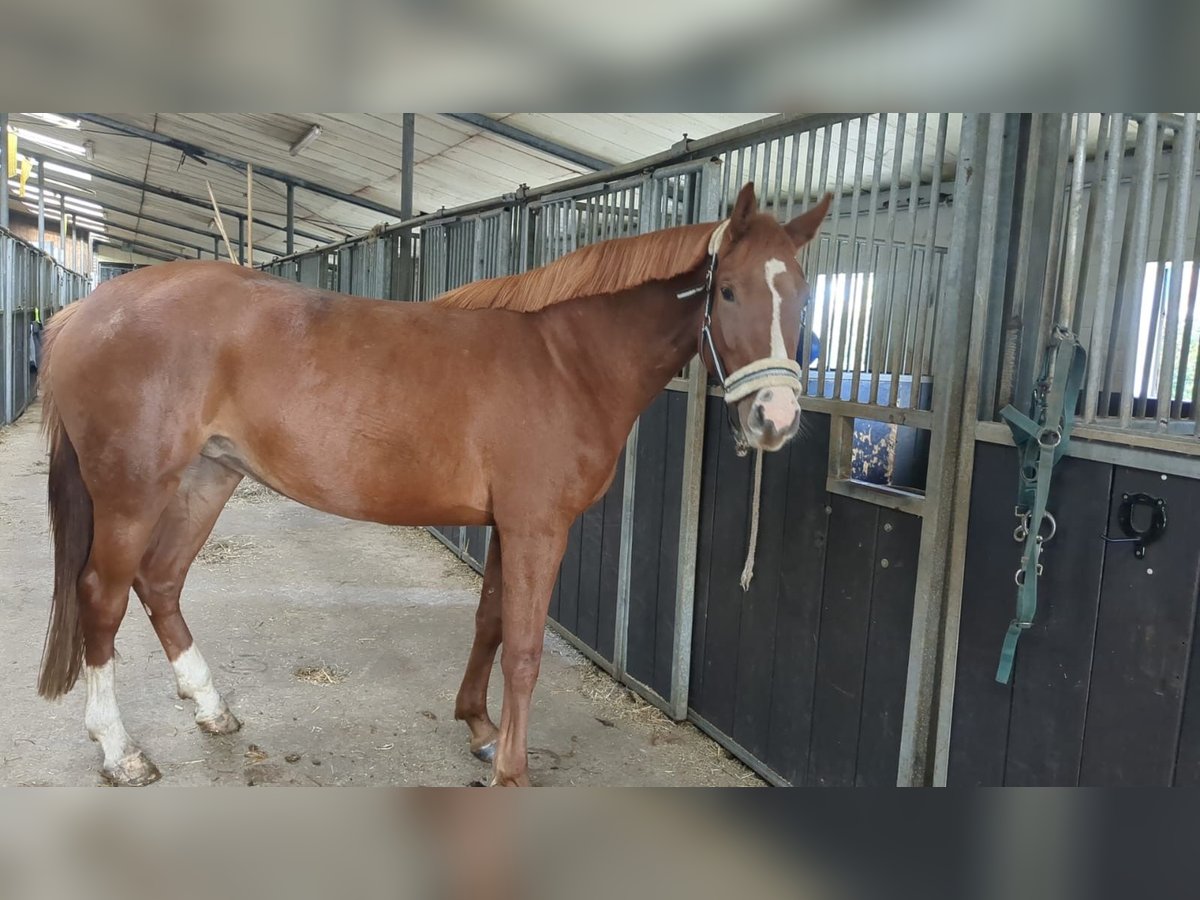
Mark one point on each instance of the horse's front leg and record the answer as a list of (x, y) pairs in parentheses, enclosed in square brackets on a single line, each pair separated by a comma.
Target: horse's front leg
[(471, 705), (531, 560)]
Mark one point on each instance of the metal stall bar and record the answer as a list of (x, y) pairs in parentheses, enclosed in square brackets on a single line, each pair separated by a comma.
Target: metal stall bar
[(6, 326), (869, 248), (1147, 142), (1011, 341), (1183, 199), (1054, 256), (823, 253), (830, 311), (929, 280), (628, 492), (709, 198), (898, 353), (1074, 238), (1188, 329), (848, 292), (881, 333), (973, 204), (1141, 399), (1101, 321), (792, 170), (1084, 312)]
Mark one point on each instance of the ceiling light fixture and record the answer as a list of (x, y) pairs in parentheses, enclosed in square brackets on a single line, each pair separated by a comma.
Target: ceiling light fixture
[(74, 188), (52, 142), (85, 205), (58, 121), (314, 132), (68, 171)]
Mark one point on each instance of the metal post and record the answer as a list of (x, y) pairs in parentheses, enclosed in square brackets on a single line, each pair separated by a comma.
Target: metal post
[(62, 230), (1186, 147), (241, 240), (42, 205), (250, 213), (625, 555), (998, 191), (407, 145), (4, 169), (291, 219), (216, 246), (689, 507), (6, 311), (1145, 156), (950, 364)]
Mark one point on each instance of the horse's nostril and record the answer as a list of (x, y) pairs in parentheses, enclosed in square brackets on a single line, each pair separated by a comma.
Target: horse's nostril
[(757, 416)]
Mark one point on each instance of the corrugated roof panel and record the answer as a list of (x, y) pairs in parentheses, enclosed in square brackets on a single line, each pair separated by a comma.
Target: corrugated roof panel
[(360, 154)]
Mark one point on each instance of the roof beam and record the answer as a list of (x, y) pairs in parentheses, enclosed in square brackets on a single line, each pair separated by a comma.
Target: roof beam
[(202, 153), (143, 249), (179, 197), (108, 206), (529, 139), (110, 225), (140, 238)]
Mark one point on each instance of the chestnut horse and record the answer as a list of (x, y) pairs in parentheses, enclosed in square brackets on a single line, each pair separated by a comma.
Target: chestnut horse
[(506, 402)]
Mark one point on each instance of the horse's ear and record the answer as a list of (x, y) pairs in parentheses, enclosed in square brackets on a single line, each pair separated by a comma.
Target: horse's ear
[(805, 226), (744, 207)]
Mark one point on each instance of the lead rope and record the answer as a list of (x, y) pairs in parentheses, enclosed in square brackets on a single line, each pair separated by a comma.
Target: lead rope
[(748, 568)]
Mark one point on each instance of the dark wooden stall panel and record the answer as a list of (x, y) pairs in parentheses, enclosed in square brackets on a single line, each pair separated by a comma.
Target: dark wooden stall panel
[(1031, 731), (1102, 687), (798, 617), (806, 669), (842, 647), (476, 547), (1143, 641), (655, 550), (897, 551), (584, 600)]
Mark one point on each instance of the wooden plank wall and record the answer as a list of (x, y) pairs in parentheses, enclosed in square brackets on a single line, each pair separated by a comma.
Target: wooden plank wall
[(1104, 691), (806, 670)]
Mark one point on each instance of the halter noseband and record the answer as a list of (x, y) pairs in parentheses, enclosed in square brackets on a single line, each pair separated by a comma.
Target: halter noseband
[(750, 378)]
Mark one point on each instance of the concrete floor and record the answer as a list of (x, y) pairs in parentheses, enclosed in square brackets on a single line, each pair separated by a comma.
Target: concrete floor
[(339, 645)]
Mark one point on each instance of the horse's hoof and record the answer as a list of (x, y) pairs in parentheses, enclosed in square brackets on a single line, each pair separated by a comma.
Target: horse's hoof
[(487, 752), (224, 722), (135, 770)]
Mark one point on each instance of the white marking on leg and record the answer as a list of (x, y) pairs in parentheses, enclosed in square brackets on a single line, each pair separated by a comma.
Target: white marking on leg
[(771, 269), (195, 683), (102, 717)]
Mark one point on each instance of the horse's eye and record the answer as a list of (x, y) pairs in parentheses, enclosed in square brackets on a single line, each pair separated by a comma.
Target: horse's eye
[(727, 293)]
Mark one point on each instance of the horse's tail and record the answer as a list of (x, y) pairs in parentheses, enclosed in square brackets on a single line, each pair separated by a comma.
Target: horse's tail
[(71, 524)]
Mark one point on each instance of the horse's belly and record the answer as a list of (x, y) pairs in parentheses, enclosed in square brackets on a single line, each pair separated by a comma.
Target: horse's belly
[(396, 487)]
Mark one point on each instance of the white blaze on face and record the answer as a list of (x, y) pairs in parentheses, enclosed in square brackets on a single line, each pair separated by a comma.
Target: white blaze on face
[(195, 683), (101, 715), (771, 269)]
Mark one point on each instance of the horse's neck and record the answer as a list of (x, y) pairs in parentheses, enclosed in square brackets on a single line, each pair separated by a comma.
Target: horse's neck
[(632, 343)]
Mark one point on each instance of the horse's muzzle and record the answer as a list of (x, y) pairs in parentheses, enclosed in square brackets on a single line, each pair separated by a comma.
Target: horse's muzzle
[(773, 418)]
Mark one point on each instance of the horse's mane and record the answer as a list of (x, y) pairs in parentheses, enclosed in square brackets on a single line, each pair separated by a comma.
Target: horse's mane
[(602, 268)]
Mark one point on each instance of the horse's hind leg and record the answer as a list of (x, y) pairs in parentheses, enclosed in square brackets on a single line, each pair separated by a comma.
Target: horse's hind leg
[(185, 525), (120, 539), (471, 705)]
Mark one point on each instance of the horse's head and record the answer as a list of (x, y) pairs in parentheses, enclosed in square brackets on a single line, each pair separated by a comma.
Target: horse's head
[(757, 300)]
